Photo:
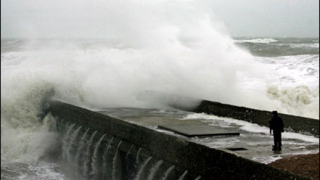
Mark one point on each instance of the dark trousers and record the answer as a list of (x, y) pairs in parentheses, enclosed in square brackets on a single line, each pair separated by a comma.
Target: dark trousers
[(277, 139)]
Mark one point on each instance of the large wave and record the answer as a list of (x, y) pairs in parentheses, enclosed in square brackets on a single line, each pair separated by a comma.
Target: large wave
[(23, 137), (152, 56), (300, 100), (169, 46)]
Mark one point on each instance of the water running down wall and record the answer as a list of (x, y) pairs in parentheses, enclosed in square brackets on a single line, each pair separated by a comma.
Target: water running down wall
[(102, 147)]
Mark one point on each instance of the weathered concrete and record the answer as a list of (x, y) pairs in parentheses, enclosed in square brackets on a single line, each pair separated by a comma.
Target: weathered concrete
[(292, 123), (197, 160)]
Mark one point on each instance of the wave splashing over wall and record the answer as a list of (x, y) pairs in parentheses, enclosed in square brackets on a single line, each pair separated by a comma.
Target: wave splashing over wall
[(172, 47)]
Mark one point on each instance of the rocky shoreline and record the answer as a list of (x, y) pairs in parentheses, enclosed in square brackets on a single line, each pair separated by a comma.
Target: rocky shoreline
[(303, 165)]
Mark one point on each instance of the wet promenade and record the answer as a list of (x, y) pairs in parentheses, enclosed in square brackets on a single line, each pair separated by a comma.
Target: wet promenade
[(126, 143), (244, 139)]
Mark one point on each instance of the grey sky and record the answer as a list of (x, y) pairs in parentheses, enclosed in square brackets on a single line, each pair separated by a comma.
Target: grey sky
[(269, 17), (104, 18)]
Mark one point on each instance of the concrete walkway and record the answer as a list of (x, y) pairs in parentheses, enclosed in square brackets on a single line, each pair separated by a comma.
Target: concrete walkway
[(254, 141)]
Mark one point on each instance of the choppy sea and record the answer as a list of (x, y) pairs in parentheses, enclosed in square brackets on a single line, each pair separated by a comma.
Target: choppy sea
[(263, 73)]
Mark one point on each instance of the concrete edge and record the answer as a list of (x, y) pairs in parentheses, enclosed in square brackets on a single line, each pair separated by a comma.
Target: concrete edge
[(197, 159), (297, 124)]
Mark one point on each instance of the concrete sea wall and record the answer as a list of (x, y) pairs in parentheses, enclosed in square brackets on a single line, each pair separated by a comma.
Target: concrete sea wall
[(292, 123), (110, 148)]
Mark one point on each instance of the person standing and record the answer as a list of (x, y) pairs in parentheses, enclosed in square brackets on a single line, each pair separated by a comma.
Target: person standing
[(276, 124)]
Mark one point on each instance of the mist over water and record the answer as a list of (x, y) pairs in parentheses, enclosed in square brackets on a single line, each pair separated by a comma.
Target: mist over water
[(157, 51)]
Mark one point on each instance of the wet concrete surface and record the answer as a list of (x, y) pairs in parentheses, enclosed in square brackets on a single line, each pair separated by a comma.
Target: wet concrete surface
[(198, 130), (254, 142)]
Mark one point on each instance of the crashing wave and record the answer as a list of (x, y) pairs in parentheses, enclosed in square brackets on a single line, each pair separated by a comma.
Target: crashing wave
[(299, 100)]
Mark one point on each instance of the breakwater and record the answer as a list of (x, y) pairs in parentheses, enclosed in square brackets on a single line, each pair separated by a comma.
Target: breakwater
[(102, 147), (292, 123)]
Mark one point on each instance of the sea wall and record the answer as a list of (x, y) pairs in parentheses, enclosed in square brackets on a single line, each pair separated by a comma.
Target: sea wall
[(292, 123), (109, 148)]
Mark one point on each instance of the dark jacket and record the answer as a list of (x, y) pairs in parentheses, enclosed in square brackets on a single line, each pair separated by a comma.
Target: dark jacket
[(276, 124)]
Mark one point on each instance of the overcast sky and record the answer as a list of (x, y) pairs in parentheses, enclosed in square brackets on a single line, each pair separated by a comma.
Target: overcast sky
[(99, 18)]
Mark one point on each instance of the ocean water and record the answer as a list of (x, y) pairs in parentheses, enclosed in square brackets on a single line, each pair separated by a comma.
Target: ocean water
[(262, 73), (152, 55), (294, 65)]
